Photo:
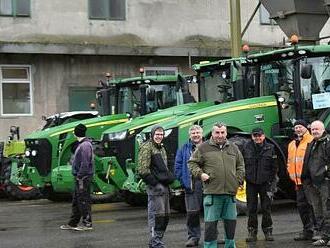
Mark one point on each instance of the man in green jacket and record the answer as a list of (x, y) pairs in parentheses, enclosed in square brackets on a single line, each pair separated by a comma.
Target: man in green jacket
[(220, 165)]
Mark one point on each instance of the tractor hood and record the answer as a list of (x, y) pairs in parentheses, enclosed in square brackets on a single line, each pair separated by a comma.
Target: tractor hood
[(65, 128), (156, 117), (218, 113)]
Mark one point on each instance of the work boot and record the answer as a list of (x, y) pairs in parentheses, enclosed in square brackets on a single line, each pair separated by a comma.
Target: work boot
[(192, 243), (303, 236), (252, 236), (321, 242), (269, 234), (317, 235)]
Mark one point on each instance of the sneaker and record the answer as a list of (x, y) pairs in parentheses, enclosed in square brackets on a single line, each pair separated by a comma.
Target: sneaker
[(320, 242), (67, 227), (83, 228), (303, 236), (192, 243)]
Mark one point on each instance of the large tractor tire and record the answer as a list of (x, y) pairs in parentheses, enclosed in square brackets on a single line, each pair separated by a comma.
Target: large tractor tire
[(104, 198), (17, 192), (177, 203), (135, 199)]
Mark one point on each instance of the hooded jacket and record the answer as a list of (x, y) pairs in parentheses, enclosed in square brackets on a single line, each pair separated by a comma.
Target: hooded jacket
[(83, 159)]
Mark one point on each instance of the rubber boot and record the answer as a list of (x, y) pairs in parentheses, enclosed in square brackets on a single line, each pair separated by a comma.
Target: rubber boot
[(269, 234), (252, 236)]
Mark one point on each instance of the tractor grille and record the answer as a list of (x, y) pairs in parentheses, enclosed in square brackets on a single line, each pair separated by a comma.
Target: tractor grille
[(42, 161)]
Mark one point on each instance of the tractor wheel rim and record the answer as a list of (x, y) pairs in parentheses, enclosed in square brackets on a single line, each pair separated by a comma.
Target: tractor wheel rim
[(25, 188)]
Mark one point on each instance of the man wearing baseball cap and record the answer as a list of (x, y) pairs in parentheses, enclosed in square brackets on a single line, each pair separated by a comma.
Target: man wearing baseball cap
[(260, 174)]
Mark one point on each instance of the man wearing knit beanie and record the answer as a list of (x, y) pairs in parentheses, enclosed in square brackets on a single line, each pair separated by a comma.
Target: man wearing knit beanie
[(296, 153), (301, 122), (82, 170)]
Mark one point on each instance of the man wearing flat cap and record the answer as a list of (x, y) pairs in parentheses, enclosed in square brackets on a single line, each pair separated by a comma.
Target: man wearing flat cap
[(296, 152), (260, 174), (82, 170)]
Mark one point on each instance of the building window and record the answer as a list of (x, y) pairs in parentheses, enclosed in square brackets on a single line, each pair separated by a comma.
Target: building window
[(160, 71), (107, 9), (19, 8), (16, 90), (264, 16)]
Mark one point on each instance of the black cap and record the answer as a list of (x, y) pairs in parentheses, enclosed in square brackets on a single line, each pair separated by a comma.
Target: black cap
[(80, 130), (301, 122), (257, 130)]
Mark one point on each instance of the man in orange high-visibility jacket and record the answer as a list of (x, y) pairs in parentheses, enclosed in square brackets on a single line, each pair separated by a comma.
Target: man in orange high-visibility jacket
[(296, 153)]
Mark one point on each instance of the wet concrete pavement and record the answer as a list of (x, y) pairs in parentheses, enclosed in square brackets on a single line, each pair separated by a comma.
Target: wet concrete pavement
[(34, 224)]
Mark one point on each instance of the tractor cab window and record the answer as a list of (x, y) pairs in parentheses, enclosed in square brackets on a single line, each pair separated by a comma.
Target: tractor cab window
[(315, 89), (216, 85), (157, 97), (277, 78)]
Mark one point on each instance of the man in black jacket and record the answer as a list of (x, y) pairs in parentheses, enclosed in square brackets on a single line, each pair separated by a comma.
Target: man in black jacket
[(260, 174), (316, 176)]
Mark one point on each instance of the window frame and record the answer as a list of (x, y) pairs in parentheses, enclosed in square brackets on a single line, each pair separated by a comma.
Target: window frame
[(175, 69), (16, 81), (14, 10), (107, 8)]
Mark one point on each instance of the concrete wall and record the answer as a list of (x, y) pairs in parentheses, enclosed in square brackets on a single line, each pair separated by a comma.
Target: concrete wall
[(155, 23), (52, 75)]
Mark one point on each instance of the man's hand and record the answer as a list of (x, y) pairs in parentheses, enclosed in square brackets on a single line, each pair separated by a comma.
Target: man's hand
[(205, 177)]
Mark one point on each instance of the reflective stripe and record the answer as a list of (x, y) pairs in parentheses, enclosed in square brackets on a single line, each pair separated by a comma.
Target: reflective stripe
[(296, 157)]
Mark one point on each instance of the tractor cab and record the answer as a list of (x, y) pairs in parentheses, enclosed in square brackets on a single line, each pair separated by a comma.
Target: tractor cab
[(142, 95)]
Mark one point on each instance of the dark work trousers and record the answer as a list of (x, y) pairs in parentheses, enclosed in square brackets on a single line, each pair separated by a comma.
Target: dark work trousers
[(81, 203), (158, 214), (194, 201), (252, 191), (305, 210), (319, 197)]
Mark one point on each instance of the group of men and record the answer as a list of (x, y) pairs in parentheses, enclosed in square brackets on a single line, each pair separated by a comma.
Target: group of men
[(211, 172)]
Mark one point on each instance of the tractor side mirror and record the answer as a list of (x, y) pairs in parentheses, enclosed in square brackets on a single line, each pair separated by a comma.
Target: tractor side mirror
[(306, 71)]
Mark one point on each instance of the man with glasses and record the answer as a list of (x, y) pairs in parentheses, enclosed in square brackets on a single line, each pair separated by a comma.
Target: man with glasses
[(220, 166), (153, 168), (260, 175)]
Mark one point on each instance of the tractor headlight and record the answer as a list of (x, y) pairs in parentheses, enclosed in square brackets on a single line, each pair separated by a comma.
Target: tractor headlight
[(167, 132), (33, 153), (140, 138), (27, 153), (117, 135)]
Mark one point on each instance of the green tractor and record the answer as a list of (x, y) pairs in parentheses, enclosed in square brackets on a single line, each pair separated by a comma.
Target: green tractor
[(276, 88), (46, 164), (15, 147), (118, 145)]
